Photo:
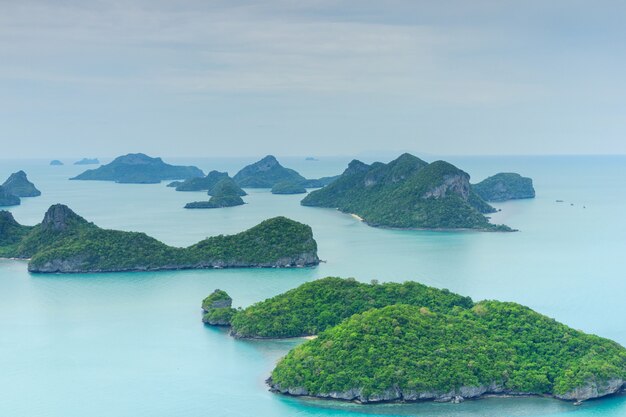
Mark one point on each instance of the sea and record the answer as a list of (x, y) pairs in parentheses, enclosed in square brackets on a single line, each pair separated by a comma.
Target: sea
[(133, 344)]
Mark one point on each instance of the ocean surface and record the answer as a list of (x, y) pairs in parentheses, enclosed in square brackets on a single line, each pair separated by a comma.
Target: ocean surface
[(132, 344)]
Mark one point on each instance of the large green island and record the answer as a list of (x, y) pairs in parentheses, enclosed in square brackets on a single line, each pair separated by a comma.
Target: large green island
[(138, 168), (65, 242), (407, 193), (408, 342)]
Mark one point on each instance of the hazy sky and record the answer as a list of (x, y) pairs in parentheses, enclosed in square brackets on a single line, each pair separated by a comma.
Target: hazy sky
[(311, 77)]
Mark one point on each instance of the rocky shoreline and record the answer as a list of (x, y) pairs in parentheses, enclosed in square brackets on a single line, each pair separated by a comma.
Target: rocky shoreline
[(590, 391)]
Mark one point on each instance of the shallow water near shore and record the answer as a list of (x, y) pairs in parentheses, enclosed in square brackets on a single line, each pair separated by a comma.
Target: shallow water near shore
[(132, 344)]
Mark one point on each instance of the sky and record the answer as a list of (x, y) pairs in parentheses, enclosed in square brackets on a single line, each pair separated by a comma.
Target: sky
[(317, 77)]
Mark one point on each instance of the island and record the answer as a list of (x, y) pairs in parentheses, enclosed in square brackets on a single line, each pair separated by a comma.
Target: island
[(409, 342), (505, 186), (67, 243), (286, 187), (411, 353), (268, 172), (56, 162), (139, 169), (218, 309), (19, 185), (7, 199), (407, 193), (88, 161), (265, 174), (201, 183)]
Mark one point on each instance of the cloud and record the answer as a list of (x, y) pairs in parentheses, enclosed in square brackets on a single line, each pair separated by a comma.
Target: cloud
[(241, 47)]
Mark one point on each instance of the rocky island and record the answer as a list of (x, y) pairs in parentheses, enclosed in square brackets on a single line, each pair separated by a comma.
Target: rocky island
[(505, 186), (139, 169), (218, 309), (286, 187), (226, 193), (407, 193), (65, 242), (88, 161), (19, 185), (409, 342)]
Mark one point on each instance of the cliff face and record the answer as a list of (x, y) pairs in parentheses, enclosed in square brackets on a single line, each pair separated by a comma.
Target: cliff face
[(18, 185)]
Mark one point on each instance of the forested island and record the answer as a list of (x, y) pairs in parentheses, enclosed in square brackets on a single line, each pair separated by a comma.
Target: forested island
[(408, 342), (407, 193), (65, 242), (505, 186), (226, 193), (139, 169), (286, 187)]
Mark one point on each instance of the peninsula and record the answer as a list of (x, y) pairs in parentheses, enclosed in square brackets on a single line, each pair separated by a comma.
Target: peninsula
[(139, 169), (65, 242), (407, 193)]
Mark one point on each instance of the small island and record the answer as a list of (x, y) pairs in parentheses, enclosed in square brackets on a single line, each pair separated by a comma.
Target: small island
[(218, 309), (226, 186), (286, 187), (223, 194), (505, 186), (88, 161), (265, 174), (268, 172), (65, 242), (19, 185), (56, 162), (409, 342), (139, 169), (407, 193)]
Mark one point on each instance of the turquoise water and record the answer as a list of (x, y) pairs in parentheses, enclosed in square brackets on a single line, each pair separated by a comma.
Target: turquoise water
[(133, 344)]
